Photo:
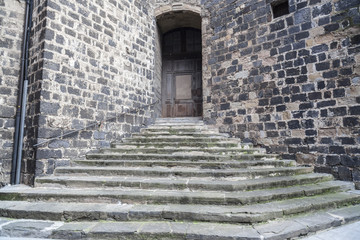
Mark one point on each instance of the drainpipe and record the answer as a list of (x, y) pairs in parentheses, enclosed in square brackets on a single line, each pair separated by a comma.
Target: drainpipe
[(22, 96)]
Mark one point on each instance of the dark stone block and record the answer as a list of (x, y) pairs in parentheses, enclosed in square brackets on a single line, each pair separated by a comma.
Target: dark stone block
[(294, 124), (324, 21), (313, 114), (322, 10), (277, 26), (346, 71), (319, 48), (280, 108), (303, 106), (339, 111), (323, 113), (308, 123), (333, 160), (310, 132), (322, 66), (315, 95), (270, 126), (302, 35), (345, 82), (47, 153), (355, 39), (272, 134), (326, 103), (298, 97), (308, 87), (225, 106), (337, 150), (330, 74), (302, 16), (326, 141), (228, 120), (344, 173), (347, 141), (276, 100), (354, 110), (331, 27)]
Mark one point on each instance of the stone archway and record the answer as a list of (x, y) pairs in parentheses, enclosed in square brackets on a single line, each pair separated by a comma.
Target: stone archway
[(180, 45)]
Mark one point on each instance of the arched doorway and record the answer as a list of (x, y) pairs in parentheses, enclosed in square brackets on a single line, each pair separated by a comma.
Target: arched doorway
[(181, 47)]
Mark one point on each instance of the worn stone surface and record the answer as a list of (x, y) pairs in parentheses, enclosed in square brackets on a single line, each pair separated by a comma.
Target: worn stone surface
[(198, 201)]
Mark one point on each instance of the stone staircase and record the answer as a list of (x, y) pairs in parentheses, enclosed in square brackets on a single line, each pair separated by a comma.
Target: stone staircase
[(178, 179)]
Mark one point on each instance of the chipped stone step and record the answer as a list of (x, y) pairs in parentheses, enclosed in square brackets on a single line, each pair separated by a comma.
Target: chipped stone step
[(199, 164), (291, 228), (226, 144), (141, 196), (217, 151), (180, 134), (230, 184), (181, 156), (183, 172), (177, 139), (168, 129), (254, 213)]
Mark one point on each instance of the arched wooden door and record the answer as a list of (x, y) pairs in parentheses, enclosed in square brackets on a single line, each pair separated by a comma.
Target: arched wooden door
[(181, 78)]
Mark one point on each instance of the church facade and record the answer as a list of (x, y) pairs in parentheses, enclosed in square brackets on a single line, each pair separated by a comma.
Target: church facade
[(283, 75)]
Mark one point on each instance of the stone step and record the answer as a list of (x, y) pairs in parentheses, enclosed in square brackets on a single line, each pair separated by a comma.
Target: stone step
[(181, 156), (141, 196), (284, 229), (183, 172), (216, 151), (174, 129), (198, 164), (247, 214), (179, 183), (179, 135), (290, 228), (177, 139), (225, 144)]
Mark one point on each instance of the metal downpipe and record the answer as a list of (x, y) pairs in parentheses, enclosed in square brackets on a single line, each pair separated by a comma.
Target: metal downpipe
[(22, 97)]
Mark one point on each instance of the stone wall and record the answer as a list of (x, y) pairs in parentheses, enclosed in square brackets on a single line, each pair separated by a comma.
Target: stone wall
[(289, 84), (90, 60), (11, 32)]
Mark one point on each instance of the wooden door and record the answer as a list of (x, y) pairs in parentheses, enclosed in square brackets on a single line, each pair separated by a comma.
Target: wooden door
[(181, 80), (183, 88)]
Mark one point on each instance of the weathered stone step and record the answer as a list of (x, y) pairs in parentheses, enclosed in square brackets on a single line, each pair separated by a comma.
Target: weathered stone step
[(225, 144), (291, 228), (183, 172), (177, 139), (255, 213), (175, 129), (216, 151), (181, 156), (141, 196), (230, 184), (179, 135), (199, 164)]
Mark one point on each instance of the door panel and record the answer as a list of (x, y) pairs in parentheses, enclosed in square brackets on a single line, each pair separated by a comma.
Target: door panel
[(181, 79), (182, 89)]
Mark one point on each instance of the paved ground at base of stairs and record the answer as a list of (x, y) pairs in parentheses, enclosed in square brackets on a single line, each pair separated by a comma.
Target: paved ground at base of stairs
[(349, 232), (346, 232)]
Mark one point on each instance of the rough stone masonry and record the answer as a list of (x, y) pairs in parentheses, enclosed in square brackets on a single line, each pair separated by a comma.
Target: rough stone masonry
[(290, 84)]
